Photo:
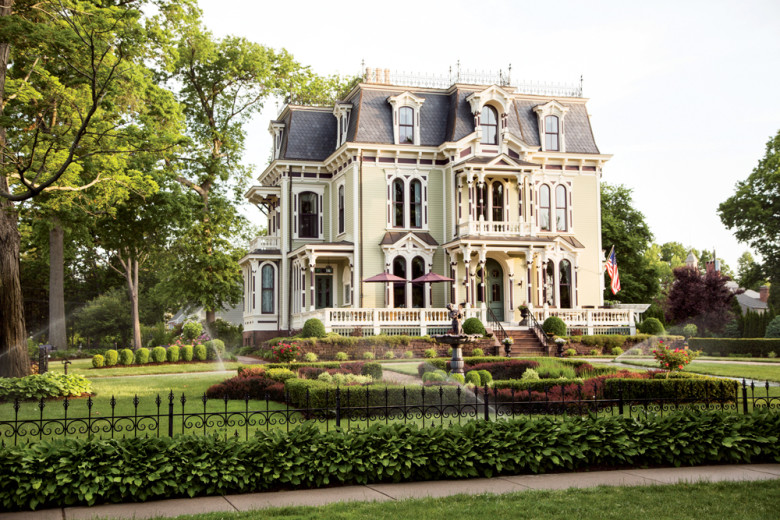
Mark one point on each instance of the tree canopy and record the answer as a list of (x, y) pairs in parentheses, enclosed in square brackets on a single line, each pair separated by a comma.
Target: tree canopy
[(701, 299)]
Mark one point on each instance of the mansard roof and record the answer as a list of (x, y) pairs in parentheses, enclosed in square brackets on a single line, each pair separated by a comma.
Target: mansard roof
[(445, 116)]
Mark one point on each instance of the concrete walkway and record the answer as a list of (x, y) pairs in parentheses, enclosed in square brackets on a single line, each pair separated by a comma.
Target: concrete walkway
[(386, 492)]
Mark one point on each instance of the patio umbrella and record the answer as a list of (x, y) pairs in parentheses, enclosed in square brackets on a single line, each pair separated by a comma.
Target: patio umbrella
[(385, 277), (432, 278)]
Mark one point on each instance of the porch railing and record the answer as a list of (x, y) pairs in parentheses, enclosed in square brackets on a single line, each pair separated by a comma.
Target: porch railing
[(477, 227), (264, 243), (592, 321), (498, 329), (388, 321)]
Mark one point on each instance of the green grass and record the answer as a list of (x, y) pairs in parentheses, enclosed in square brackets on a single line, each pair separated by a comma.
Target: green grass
[(84, 367), (409, 369), (744, 500), (758, 372)]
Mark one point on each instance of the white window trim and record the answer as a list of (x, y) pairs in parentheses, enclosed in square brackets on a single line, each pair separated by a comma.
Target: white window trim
[(296, 192), (342, 112), (552, 108), (501, 101), (408, 248), (407, 176), (276, 129), (259, 292), (406, 99), (554, 207), (341, 185)]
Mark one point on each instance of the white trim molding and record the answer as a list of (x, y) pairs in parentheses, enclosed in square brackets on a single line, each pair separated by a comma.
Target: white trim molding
[(552, 108), (406, 99)]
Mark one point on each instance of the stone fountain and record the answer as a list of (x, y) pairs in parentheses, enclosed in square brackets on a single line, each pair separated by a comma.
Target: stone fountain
[(456, 339)]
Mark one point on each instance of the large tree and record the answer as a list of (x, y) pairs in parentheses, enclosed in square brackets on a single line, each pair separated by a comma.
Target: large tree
[(753, 213), (624, 227), (749, 273), (701, 299), (72, 87)]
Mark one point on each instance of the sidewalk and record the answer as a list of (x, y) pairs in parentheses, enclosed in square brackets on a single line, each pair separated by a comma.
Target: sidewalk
[(385, 492)]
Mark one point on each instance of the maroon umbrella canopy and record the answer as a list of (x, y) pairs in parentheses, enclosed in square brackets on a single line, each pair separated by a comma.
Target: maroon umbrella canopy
[(385, 277), (432, 278)]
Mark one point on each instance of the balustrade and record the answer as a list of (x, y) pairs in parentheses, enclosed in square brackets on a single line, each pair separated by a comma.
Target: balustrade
[(591, 319), (264, 242)]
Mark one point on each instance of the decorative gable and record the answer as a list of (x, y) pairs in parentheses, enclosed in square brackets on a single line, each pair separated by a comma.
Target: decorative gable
[(276, 129), (549, 134)]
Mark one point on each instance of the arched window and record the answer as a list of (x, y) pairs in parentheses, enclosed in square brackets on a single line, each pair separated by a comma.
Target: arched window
[(551, 133), (488, 120), (565, 284), (560, 208), (418, 289), (398, 203), (308, 214), (544, 208), (405, 125), (267, 284), (341, 209), (498, 201), (399, 288), (481, 201), (415, 204), (549, 283)]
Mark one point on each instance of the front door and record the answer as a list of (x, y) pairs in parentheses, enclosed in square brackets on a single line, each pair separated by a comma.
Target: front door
[(323, 291), (495, 288)]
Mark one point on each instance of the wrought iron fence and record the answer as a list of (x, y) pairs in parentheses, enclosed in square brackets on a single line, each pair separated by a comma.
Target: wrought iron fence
[(350, 407)]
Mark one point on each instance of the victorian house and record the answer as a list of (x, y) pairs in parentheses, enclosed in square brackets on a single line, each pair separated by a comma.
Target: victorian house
[(490, 185)]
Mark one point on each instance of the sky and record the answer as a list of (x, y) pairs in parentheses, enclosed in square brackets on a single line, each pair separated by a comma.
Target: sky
[(683, 94)]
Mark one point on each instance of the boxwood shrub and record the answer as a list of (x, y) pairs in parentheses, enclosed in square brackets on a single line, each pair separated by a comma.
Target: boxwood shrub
[(86, 472), (141, 356), (172, 353), (305, 393), (200, 352), (540, 385), (360, 368), (126, 357), (98, 361), (112, 357), (759, 347), (159, 354), (187, 352), (697, 389)]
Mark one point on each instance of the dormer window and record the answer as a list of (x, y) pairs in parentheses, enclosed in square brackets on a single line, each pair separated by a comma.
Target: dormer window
[(276, 128), (341, 111), (406, 118), (405, 125), (551, 133), (489, 123)]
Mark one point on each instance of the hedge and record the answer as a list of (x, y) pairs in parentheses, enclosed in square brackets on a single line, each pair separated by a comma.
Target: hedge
[(444, 363), (80, 472), (309, 393), (758, 347), (356, 367), (698, 389), (540, 385)]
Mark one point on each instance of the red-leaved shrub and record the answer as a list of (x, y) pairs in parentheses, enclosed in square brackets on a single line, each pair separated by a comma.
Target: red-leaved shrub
[(501, 370)]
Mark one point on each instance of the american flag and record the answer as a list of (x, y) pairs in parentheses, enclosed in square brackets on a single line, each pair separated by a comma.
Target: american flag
[(612, 269)]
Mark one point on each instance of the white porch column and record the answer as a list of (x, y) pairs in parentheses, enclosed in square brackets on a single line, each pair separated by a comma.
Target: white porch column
[(312, 261), (631, 321), (375, 322), (589, 321), (482, 289), (283, 233)]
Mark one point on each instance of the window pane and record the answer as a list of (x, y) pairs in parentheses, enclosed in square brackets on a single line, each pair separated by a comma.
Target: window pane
[(407, 115), (405, 134), (552, 124), (488, 116), (498, 201), (399, 288), (544, 196), (398, 203), (267, 304)]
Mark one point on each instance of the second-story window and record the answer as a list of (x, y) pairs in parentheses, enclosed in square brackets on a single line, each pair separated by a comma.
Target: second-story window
[(481, 201), (341, 209), (498, 201), (398, 203), (308, 215), (415, 204), (551, 133), (544, 208), (560, 209), (488, 120), (405, 125)]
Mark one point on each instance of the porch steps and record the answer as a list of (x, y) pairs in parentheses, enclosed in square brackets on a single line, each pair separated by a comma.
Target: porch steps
[(526, 343)]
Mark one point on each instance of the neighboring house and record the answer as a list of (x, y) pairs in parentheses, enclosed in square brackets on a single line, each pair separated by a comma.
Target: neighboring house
[(493, 187), (751, 300), (233, 315)]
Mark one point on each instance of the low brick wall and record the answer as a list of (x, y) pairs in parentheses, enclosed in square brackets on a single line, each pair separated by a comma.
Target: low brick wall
[(327, 351)]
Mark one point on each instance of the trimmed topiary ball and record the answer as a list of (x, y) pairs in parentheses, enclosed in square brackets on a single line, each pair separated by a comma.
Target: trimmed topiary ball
[(310, 357), (187, 353), (473, 326), (201, 353), (142, 356), (429, 353), (158, 355), (313, 328), (477, 352), (341, 356), (485, 376), (112, 357), (458, 377), (172, 354), (554, 325), (651, 326), (368, 355), (473, 378), (126, 357), (408, 354), (98, 361), (773, 329)]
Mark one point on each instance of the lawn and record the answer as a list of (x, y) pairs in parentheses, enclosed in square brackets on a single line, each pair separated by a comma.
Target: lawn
[(765, 372), (746, 500), (84, 367)]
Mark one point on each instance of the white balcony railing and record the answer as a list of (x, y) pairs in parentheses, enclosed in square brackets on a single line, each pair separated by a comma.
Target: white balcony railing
[(377, 320), (264, 243), (595, 321), (476, 227)]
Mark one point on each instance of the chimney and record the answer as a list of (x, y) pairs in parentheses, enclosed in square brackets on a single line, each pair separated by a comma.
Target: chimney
[(763, 293), (368, 75), (378, 72), (387, 76)]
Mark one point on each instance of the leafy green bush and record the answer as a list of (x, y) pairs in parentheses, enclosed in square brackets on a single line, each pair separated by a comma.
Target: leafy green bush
[(112, 357), (460, 378), (88, 472), (46, 385), (530, 375), (313, 328), (616, 351), (595, 352), (473, 326), (98, 361), (158, 355), (215, 349), (126, 357), (191, 330), (758, 347), (389, 354), (200, 352), (408, 354), (773, 329), (473, 378), (429, 353), (368, 355), (142, 356), (280, 374), (372, 369), (437, 376), (341, 356), (478, 352), (187, 353), (311, 357), (485, 376), (570, 352), (554, 325), (172, 354), (651, 326), (690, 330), (535, 385), (699, 389)]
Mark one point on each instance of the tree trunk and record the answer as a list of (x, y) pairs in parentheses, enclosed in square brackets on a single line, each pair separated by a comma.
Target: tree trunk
[(211, 316), (13, 349), (134, 300), (58, 336)]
